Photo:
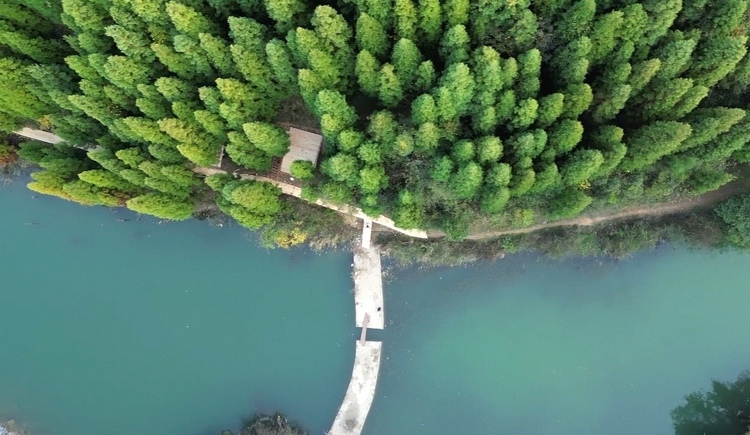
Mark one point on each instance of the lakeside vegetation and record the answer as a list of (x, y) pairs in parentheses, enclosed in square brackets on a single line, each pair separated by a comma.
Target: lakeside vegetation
[(722, 410), (441, 114)]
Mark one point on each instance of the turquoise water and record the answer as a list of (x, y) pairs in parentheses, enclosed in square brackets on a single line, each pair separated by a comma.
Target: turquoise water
[(139, 327)]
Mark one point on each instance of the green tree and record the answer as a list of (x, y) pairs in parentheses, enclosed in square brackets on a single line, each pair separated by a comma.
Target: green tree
[(430, 20), (467, 181), (267, 137), (724, 408), (390, 91), (406, 59), (302, 169), (162, 206), (406, 18), (649, 143), (371, 35), (454, 46), (456, 12), (367, 70)]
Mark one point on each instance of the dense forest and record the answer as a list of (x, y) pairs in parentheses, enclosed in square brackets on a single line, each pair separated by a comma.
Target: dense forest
[(438, 113)]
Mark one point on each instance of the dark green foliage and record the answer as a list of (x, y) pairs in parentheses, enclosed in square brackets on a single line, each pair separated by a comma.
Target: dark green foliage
[(724, 408)]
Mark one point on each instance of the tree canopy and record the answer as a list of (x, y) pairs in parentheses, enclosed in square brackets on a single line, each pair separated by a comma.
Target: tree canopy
[(428, 97)]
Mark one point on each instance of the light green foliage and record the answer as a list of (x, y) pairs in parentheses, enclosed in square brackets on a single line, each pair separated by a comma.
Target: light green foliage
[(253, 204), (498, 175), (189, 21), (343, 168), (285, 12), (715, 58), (162, 206), (390, 90), (132, 157), (578, 98), (580, 166), (649, 143), (550, 108), (349, 140), (642, 73), (371, 35), (454, 46), (383, 126), (463, 151), (427, 138), (106, 179), (565, 135), (423, 109), (217, 51), (406, 18), (442, 169), (604, 35), (487, 74), (525, 113), (403, 145), (675, 57), (576, 21), (126, 73), (430, 20), (707, 124), (245, 153), (367, 70), (569, 203), (406, 60), (408, 213), (456, 12), (337, 115), (425, 76), (455, 93), (372, 179), (280, 60), (494, 200), (572, 61), (467, 180), (302, 169), (370, 153), (269, 138), (489, 149)]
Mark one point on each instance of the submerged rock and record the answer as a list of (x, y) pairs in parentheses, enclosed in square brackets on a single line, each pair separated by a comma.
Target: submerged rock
[(10, 428)]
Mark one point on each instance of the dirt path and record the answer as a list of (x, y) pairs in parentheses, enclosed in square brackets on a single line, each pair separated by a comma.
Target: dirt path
[(640, 211)]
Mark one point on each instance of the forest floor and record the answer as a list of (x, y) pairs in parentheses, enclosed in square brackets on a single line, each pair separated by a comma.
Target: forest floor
[(655, 210)]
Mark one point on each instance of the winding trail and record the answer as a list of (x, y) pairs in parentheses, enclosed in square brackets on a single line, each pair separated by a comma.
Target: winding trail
[(663, 209)]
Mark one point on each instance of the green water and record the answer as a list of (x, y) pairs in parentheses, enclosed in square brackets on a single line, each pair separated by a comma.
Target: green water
[(136, 327)]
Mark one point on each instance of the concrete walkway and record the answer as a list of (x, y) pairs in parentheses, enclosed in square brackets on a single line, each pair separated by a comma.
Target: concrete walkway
[(368, 288), (359, 396), (295, 191), (39, 135)]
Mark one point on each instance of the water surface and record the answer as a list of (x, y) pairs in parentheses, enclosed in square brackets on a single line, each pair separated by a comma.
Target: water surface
[(183, 328)]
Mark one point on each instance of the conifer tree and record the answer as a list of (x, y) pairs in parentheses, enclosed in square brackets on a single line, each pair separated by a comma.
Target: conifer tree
[(371, 35)]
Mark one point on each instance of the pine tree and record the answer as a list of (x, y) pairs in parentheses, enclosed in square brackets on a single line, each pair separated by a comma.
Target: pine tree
[(454, 46), (565, 135), (188, 20), (649, 143), (406, 59), (456, 12), (467, 180), (368, 73), (430, 20), (576, 21), (390, 90), (371, 35), (286, 13), (423, 109), (217, 52), (405, 14), (269, 138), (162, 206)]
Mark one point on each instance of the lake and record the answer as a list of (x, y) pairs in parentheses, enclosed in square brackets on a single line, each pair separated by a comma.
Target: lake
[(184, 328)]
